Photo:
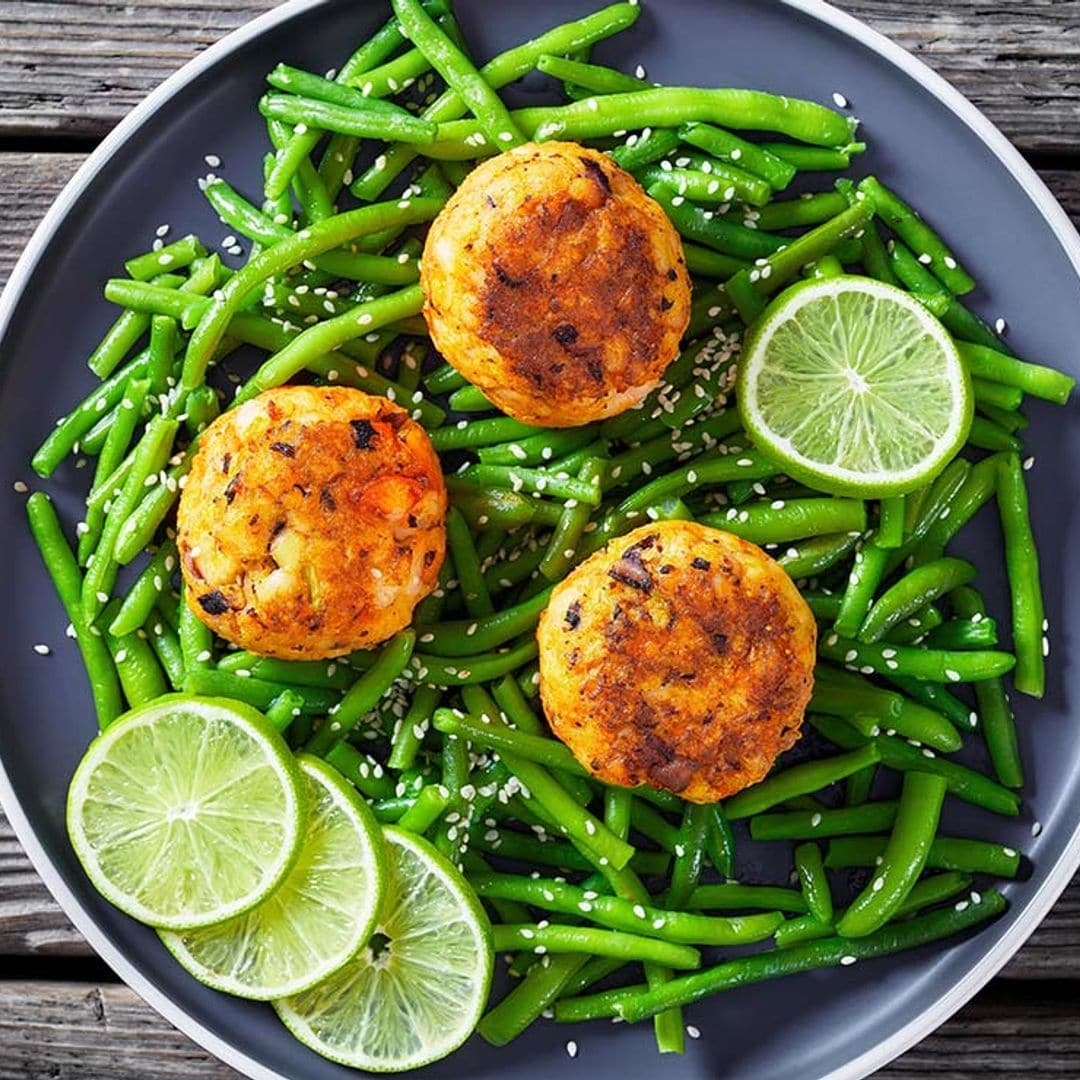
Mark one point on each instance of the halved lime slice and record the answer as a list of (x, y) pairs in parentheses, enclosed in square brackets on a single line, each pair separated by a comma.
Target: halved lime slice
[(187, 811), (316, 921), (415, 992), (854, 387)]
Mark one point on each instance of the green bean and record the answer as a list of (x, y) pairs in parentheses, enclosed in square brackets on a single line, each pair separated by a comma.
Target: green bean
[(171, 257), (732, 896), (498, 72), (363, 772), (817, 555), (470, 399), (930, 891), (714, 232), (580, 939), (562, 548), (362, 121), (533, 481), (936, 697), (590, 77), (284, 709), (653, 826), (142, 597), (645, 147), (497, 736), (805, 210), (365, 694), (743, 110), (524, 1004), (994, 711), (149, 456), (897, 754), (445, 379), (721, 184), (318, 238), (409, 734), (903, 859), (120, 339), (781, 521), (918, 236), (875, 258), (164, 345), (141, 676), (1025, 590), (785, 265), (461, 76), (890, 532), (528, 849), (348, 262), (317, 340), (814, 158), (165, 643), (808, 825), (997, 367), (964, 634), (842, 693), (815, 885), (64, 572), (979, 487), (113, 454), (1009, 420), (639, 1002), (987, 435), (938, 665), (470, 636), (746, 465), (617, 806), (475, 594), (258, 693), (747, 155), (469, 670), (798, 780), (708, 263), (425, 811), (946, 853), (997, 395), (313, 673), (615, 913), (911, 593), (500, 508), (482, 433)]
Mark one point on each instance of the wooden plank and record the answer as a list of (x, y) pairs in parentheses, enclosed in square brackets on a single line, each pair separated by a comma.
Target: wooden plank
[(65, 1031), (1020, 63), (30, 182), (31, 921)]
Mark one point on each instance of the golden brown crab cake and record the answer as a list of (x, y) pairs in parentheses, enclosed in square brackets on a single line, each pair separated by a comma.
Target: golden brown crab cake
[(556, 285), (312, 522), (680, 657)]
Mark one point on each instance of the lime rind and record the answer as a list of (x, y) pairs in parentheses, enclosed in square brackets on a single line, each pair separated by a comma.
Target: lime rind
[(187, 811), (422, 997), (320, 916), (854, 387)]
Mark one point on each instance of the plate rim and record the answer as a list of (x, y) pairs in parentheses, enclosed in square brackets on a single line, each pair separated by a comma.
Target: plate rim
[(945, 1004)]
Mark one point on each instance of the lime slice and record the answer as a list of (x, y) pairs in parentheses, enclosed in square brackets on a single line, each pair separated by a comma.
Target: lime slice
[(316, 921), (187, 811), (416, 991), (854, 387)]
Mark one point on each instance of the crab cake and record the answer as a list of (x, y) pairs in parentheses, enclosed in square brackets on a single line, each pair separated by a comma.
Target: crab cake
[(312, 522), (556, 285), (680, 657)]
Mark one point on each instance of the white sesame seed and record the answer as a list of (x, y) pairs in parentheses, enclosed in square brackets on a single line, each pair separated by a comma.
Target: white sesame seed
[(925, 259), (571, 1049), (815, 821), (847, 961), (21, 487), (44, 650), (1000, 325), (878, 885), (839, 100), (1036, 828), (203, 656)]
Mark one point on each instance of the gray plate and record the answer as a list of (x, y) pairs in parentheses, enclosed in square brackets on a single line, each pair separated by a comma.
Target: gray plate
[(927, 141)]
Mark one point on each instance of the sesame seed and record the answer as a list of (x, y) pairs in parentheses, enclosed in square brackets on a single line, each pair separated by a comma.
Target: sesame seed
[(21, 487), (879, 884), (815, 821), (1028, 463), (571, 1049), (925, 259), (204, 656), (847, 961), (1009, 852), (1000, 325), (952, 675), (1036, 828), (658, 923), (213, 161), (839, 100), (850, 656), (44, 650)]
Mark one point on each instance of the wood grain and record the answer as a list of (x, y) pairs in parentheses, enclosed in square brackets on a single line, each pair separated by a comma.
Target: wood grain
[(1018, 61), (70, 1031)]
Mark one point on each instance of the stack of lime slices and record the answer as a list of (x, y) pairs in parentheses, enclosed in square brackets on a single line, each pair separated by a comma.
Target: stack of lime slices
[(268, 877)]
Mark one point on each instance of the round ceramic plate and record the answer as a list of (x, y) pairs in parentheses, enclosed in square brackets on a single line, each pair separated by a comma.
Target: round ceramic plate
[(927, 142)]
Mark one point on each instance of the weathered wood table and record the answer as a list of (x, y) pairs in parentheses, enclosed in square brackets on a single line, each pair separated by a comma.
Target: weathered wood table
[(69, 70)]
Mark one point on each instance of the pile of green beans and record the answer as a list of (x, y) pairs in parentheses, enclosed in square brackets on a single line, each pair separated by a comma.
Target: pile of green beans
[(440, 727)]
